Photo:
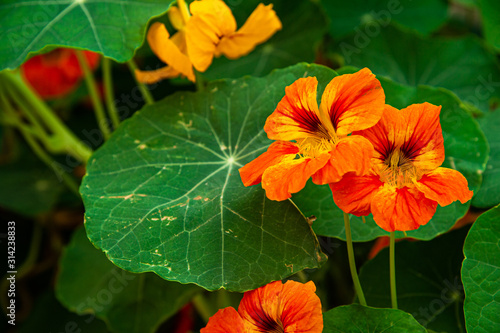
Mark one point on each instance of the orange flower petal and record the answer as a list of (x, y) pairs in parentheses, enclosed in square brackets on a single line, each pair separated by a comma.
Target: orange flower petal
[(353, 101), (258, 28), (210, 20), (150, 77), (226, 24), (444, 186), (225, 320), (168, 52), (415, 131), (401, 209), (251, 173), (175, 17), (351, 154), (290, 176), (383, 135), (423, 141), (296, 115), (293, 307), (353, 194)]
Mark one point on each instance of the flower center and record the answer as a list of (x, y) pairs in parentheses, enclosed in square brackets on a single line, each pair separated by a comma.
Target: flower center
[(398, 170), (269, 325), (314, 146)]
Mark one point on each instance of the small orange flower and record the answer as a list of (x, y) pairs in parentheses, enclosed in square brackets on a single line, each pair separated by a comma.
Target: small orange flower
[(406, 182), (323, 148), (56, 73), (275, 307), (208, 31)]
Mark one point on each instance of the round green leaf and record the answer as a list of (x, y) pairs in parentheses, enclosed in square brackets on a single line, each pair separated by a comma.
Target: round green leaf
[(489, 192), (114, 28), (466, 151), (427, 279), (290, 45), (462, 65), (424, 16), (164, 193), (89, 282), (356, 318), (481, 274)]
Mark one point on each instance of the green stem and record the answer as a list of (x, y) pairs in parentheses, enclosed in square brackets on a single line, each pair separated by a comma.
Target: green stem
[(144, 90), (200, 81), (28, 135), (392, 269), (36, 128), (352, 263), (44, 157), (201, 305), (108, 92), (26, 266), (36, 240), (302, 276), (102, 121), (223, 300), (65, 139)]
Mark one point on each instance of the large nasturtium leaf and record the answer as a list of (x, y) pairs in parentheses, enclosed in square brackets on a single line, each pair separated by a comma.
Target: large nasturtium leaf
[(356, 318), (466, 151), (427, 278), (490, 11), (489, 192), (462, 65), (164, 193), (481, 274), (127, 302), (113, 28), (294, 43), (424, 16)]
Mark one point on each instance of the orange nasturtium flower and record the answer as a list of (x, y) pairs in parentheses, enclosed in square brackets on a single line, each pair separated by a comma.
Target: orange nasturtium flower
[(208, 30), (275, 307), (323, 148), (56, 73), (406, 183)]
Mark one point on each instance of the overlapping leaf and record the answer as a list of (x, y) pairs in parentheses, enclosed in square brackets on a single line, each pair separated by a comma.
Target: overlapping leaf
[(481, 274), (490, 11), (489, 193), (164, 193), (424, 16), (89, 282), (428, 281), (462, 65), (114, 28), (466, 151), (356, 318)]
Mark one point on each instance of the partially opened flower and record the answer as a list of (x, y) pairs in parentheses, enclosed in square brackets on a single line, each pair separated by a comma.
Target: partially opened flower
[(208, 30), (406, 182), (322, 147), (56, 73), (211, 31), (171, 50), (275, 307)]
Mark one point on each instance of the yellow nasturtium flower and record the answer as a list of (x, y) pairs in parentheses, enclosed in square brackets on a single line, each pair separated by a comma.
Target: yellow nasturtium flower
[(208, 30)]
